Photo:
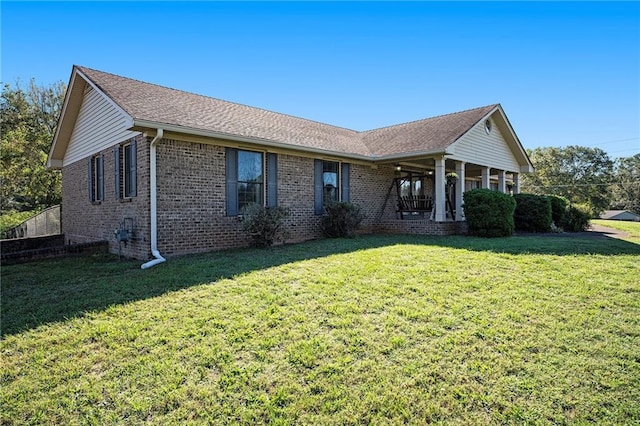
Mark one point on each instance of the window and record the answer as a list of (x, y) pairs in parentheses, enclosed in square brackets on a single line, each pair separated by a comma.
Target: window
[(245, 179), (125, 170), (487, 125), (96, 179), (411, 185), (330, 189), (250, 179), (331, 183), (129, 171)]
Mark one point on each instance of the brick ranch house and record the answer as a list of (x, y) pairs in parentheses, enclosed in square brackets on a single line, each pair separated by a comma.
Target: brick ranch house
[(172, 170)]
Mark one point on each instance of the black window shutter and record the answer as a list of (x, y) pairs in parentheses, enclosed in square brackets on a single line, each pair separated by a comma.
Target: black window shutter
[(116, 182), (318, 186), (231, 163), (344, 177), (134, 167), (90, 180), (100, 161), (272, 180)]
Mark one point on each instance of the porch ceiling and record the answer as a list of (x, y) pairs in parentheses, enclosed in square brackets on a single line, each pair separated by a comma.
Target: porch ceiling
[(428, 164)]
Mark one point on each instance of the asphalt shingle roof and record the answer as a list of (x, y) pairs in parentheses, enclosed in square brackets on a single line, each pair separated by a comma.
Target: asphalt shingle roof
[(158, 104), (429, 134)]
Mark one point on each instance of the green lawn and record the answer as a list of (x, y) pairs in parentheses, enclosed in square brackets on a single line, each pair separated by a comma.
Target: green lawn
[(373, 330), (633, 228)]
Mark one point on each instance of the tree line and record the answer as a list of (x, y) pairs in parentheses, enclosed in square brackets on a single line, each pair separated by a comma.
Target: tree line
[(29, 115), (28, 121), (586, 177)]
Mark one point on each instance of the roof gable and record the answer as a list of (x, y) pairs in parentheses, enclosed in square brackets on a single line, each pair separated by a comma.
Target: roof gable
[(498, 148), (162, 105), (428, 135), (149, 106)]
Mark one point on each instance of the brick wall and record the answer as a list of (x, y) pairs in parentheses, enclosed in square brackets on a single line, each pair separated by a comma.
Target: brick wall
[(83, 249), (191, 201), (191, 198), (422, 227), (296, 192), (31, 243), (84, 221), (370, 187)]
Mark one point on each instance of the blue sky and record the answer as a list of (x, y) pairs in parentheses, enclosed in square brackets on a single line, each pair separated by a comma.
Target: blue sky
[(565, 73)]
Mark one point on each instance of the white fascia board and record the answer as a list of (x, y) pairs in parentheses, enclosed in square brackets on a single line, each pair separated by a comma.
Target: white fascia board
[(529, 165), (53, 163), (411, 155), (245, 139)]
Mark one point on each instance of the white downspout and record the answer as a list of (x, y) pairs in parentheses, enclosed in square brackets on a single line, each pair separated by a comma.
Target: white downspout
[(154, 203)]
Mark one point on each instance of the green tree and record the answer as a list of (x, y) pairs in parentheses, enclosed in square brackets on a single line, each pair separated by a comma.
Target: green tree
[(580, 174), (626, 186), (28, 120)]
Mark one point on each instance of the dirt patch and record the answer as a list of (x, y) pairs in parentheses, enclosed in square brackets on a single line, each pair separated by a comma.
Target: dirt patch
[(595, 231), (605, 231)]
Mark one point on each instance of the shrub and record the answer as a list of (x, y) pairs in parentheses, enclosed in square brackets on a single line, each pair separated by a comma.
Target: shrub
[(558, 208), (576, 219), (533, 213), (341, 219), (264, 224), (489, 213)]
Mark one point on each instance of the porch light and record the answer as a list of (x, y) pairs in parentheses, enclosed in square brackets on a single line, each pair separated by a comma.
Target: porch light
[(398, 168)]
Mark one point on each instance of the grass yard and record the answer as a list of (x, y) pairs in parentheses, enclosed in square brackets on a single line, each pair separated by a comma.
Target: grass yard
[(633, 228), (373, 330)]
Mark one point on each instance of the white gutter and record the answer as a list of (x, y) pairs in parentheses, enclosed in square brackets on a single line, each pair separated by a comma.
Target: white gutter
[(146, 124), (407, 156), (154, 202)]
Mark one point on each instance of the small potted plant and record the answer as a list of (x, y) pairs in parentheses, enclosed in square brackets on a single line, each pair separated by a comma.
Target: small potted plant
[(451, 178)]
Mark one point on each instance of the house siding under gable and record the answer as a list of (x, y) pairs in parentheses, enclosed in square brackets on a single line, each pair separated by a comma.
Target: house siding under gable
[(489, 150), (99, 125)]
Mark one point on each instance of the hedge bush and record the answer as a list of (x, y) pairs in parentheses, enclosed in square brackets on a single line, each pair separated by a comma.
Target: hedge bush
[(489, 213), (264, 224), (341, 219), (558, 208), (576, 219), (533, 213)]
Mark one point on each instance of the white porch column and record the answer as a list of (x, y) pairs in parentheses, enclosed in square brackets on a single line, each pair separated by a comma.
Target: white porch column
[(486, 178), (502, 181), (460, 171), (516, 183), (439, 184)]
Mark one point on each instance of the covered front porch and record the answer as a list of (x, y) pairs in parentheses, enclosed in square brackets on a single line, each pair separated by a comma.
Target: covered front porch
[(431, 188)]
